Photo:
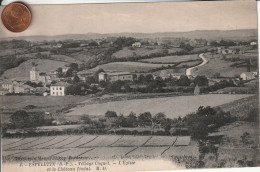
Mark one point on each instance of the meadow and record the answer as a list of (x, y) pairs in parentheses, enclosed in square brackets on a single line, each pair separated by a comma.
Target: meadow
[(142, 51), (129, 66), (173, 59), (10, 104), (171, 106), (216, 64)]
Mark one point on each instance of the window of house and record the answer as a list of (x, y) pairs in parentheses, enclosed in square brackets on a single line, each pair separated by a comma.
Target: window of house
[(57, 88), (53, 88), (53, 93), (60, 93), (60, 88)]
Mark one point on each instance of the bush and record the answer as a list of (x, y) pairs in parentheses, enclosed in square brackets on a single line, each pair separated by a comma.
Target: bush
[(253, 115)]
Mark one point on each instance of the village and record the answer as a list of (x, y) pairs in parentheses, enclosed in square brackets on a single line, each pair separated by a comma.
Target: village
[(130, 97), (56, 82)]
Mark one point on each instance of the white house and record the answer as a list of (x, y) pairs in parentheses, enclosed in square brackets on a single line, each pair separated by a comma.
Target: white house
[(115, 76), (248, 75), (57, 46), (11, 85), (253, 43), (58, 89), (136, 45)]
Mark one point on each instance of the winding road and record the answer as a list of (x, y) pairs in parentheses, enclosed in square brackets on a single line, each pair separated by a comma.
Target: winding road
[(189, 70)]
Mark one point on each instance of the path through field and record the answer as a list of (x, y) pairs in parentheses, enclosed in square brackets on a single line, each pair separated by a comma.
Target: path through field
[(189, 70)]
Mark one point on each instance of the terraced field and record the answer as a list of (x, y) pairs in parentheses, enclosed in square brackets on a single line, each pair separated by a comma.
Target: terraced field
[(93, 146)]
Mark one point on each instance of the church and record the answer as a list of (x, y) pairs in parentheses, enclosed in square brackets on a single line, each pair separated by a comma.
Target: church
[(36, 76)]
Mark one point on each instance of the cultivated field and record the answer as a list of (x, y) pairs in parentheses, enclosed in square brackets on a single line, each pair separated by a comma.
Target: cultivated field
[(170, 106), (23, 70), (96, 146), (172, 59)]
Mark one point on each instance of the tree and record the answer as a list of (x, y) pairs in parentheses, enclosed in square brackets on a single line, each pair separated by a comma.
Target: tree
[(148, 78), (183, 81), (141, 78), (59, 72), (86, 119), (145, 119), (110, 114), (131, 120), (199, 130), (69, 72), (74, 66), (160, 118), (93, 43), (20, 119), (76, 79), (36, 119), (201, 81)]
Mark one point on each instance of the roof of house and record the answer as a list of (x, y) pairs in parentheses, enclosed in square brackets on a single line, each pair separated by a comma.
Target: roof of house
[(64, 84), (249, 74), (118, 73)]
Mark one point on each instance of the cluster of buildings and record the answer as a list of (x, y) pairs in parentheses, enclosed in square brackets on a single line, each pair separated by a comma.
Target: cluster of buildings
[(20, 87)]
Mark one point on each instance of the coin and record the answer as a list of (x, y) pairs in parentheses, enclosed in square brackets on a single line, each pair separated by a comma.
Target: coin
[(16, 17)]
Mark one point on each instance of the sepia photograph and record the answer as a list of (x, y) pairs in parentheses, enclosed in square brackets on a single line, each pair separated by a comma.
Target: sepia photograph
[(129, 86)]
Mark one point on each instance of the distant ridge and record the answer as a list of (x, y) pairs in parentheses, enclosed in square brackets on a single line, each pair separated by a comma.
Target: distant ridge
[(203, 34)]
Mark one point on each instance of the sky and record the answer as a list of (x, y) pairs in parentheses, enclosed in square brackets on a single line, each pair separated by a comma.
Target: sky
[(138, 17)]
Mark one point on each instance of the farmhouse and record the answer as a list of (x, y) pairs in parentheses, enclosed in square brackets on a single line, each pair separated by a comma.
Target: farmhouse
[(115, 76), (8, 86), (253, 43), (58, 89), (136, 45), (248, 75)]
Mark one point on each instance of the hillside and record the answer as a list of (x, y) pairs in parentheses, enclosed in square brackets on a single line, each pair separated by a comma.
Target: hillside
[(22, 71), (199, 34)]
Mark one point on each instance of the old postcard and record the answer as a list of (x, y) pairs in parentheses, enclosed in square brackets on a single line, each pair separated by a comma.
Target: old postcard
[(130, 87)]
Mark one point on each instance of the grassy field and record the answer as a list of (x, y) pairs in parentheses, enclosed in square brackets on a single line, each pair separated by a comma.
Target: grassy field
[(143, 51), (171, 106), (173, 59), (10, 104), (129, 66), (23, 70), (217, 65), (19, 102), (64, 58)]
